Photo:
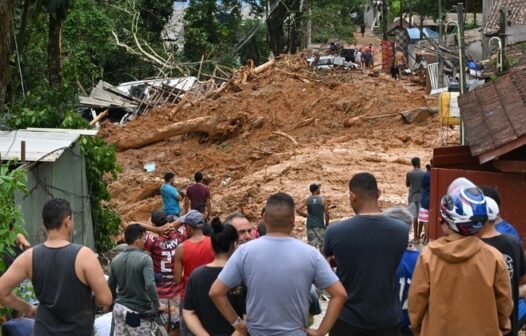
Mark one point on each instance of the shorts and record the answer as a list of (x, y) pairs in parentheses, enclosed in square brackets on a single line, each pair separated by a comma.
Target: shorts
[(423, 215), (413, 208), (174, 308), (119, 326), (316, 236)]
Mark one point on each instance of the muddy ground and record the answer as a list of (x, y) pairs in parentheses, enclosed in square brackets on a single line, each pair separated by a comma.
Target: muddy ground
[(312, 107)]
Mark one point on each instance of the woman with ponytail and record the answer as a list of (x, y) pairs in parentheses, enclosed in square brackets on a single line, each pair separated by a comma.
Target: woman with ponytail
[(200, 313)]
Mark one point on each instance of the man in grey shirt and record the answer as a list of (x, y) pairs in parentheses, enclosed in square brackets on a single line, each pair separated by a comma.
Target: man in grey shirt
[(278, 271), (132, 283), (413, 180), (317, 216)]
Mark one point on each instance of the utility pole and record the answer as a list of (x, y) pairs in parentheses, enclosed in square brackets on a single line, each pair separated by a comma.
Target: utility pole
[(461, 60), (308, 23), (439, 59), (440, 21), (503, 13), (384, 19)]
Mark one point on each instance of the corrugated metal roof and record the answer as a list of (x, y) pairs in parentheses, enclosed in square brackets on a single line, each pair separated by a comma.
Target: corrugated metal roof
[(40, 146), (494, 116), (517, 14), (90, 132)]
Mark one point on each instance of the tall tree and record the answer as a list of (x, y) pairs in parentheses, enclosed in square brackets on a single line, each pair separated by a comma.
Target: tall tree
[(281, 13), (57, 10), (6, 31)]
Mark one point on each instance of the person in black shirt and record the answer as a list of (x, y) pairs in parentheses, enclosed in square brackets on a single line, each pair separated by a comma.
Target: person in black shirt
[(367, 249), (200, 313), (511, 249)]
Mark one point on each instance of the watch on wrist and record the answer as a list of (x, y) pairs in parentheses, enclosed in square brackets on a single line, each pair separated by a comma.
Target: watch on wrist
[(236, 322)]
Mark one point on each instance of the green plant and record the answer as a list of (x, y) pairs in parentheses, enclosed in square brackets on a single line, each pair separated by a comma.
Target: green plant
[(11, 181), (332, 20), (101, 160)]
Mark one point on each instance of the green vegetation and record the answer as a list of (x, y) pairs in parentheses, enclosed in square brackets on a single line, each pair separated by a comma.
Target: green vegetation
[(64, 47), (11, 181)]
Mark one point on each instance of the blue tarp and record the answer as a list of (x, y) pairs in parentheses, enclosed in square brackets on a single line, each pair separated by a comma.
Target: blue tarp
[(414, 33)]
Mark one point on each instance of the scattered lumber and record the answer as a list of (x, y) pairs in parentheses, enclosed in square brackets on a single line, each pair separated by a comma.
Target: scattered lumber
[(99, 117), (286, 136), (211, 125)]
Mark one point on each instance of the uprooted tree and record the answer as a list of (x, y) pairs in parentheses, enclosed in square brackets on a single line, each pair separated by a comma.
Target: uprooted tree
[(214, 127)]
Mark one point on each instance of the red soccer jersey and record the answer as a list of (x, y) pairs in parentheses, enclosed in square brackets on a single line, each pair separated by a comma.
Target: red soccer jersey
[(162, 251)]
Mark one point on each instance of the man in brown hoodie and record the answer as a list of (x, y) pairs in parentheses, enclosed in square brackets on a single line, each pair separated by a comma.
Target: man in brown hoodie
[(461, 285)]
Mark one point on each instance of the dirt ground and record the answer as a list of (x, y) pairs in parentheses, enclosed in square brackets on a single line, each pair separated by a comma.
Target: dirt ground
[(311, 107)]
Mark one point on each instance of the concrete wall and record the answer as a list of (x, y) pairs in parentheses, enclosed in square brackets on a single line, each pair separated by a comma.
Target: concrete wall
[(516, 34)]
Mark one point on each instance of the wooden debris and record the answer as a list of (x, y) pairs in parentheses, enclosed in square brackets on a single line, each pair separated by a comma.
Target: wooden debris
[(286, 136), (99, 117), (213, 126)]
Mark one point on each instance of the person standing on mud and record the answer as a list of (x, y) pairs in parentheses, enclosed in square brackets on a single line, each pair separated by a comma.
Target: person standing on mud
[(65, 278), (413, 181), (400, 62), (369, 56), (358, 57), (367, 249), (196, 194), (170, 196), (317, 216)]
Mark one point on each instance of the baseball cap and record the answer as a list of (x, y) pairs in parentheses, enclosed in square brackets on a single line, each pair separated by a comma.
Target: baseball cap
[(493, 208), (193, 218), (314, 187)]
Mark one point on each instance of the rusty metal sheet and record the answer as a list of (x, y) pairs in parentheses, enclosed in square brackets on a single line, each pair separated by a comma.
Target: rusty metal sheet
[(495, 119), (494, 115), (476, 132)]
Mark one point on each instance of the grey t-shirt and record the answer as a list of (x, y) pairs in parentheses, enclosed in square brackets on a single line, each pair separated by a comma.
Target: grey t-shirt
[(278, 273), (413, 180)]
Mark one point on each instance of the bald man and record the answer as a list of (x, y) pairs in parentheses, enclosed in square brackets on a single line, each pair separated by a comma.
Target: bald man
[(278, 271)]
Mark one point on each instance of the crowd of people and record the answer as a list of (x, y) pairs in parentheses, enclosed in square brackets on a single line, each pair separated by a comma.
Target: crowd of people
[(216, 277)]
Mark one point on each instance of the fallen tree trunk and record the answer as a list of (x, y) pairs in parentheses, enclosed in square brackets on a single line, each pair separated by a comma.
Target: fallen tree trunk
[(264, 67), (214, 127)]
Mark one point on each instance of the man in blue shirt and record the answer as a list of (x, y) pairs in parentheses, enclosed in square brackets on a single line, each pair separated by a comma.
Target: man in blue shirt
[(406, 268), (171, 196)]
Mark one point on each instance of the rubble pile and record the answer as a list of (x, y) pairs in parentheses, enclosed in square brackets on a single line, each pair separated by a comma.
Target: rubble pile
[(283, 127)]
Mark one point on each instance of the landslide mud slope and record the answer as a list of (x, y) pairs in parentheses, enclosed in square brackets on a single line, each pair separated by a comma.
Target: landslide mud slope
[(243, 170)]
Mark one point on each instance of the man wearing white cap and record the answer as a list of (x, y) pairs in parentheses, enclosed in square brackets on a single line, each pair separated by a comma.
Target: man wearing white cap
[(511, 250)]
